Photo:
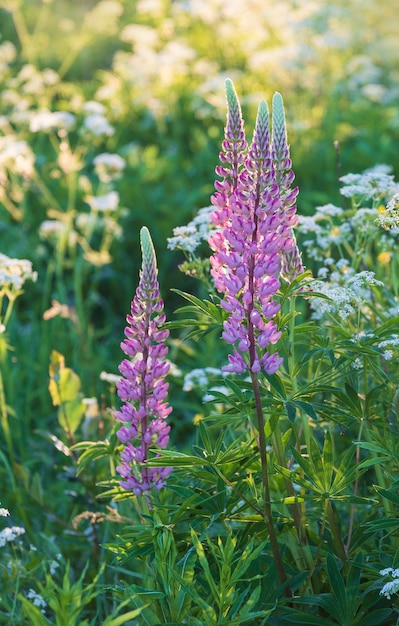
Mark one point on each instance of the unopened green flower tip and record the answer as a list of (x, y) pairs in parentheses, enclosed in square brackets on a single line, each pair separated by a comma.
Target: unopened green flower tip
[(148, 250)]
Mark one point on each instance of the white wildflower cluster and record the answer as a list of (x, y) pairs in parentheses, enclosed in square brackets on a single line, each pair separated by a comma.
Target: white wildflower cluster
[(14, 273), (8, 53), (357, 364), (95, 121), (47, 121), (389, 347), (54, 565), (372, 184), (346, 290), (16, 156), (10, 533), (189, 237), (326, 228), (391, 587), (106, 202), (199, 377), (389, 217), (37, 599), (361, 337), (4, 512), (110, 378), (52, 228), (103, 17), (108, 167), (332, 228), (32, 82), (364, 220)]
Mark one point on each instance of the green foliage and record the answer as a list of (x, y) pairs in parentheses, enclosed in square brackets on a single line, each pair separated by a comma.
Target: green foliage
[(64, 387)]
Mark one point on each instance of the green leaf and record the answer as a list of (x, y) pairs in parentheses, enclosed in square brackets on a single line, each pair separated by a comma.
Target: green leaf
[(382, 524), (338, 587), (291, 411), (94, 451), (353, 399), (306, 408), (308, 619), (392, 496), (64, 387), (372, 447), (376, 618), (277, 384), (205, 566), (170, 458), (122, 619), (32, 613), (328, 461)]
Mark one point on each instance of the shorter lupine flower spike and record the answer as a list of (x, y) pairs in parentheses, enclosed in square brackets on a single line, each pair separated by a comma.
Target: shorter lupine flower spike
[(142, 388)]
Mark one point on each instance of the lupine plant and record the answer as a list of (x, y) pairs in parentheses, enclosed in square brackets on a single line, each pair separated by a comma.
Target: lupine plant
[(295, 445), (142, 387)]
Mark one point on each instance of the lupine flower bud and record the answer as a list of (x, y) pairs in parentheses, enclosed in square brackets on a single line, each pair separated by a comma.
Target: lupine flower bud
[(291, 258), (142, 387)]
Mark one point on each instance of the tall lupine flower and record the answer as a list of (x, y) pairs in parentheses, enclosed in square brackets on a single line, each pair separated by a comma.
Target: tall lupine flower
[(291, 258), (142, 388), (254, 213)]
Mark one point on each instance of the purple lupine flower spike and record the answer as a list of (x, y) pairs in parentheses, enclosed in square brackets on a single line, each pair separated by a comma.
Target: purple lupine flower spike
[(142, 388), (291, 257), (251, 231)]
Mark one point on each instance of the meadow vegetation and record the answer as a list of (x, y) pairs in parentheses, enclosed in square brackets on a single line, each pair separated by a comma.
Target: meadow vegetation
[(259, 484)]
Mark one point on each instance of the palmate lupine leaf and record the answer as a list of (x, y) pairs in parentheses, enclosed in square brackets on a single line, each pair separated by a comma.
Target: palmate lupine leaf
[(322, 478)]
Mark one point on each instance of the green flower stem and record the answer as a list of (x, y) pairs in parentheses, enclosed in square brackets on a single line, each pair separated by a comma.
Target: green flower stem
[(298, 511), (319, 544), (48, 196), (4, 421), (268, 514), (24, 37), (378, 471), (280, 454), (291, 366), (355, 490), (335, 532), (368, 437), (15, 212), (11, 296), (79, 297), (300, 519), (72, 190), (3, 404)]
